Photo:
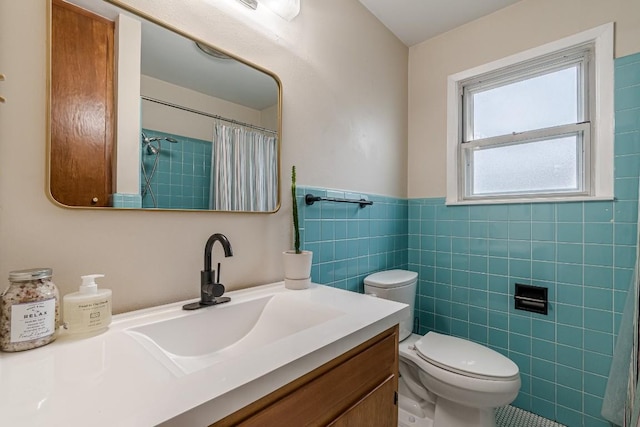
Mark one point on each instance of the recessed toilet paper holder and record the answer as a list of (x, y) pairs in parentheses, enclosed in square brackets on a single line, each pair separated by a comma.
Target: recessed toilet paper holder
[(531, 298)]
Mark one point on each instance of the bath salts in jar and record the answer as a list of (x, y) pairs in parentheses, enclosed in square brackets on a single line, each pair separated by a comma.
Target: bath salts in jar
[(29, 310)]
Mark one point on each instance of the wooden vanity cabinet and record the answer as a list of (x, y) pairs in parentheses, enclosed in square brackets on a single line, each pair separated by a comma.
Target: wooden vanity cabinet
[(357, 389)]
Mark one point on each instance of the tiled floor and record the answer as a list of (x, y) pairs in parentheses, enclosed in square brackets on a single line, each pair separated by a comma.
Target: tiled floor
[(509, 416)]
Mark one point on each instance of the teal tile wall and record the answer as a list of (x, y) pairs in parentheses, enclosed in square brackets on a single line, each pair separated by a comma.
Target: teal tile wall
[(182, 178), (349, 242), (469, 258)]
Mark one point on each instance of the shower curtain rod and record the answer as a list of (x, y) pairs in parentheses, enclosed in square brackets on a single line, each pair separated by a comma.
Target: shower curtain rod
[(202, 113)]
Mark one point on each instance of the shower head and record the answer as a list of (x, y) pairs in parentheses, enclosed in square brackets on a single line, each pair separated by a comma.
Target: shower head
[(155, 149), (146, 142)]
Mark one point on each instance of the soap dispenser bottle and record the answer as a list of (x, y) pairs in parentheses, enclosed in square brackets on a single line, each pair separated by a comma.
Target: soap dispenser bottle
[(89, 309)]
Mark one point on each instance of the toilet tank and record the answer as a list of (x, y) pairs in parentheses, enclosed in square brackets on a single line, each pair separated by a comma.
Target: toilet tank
[(395, 285)]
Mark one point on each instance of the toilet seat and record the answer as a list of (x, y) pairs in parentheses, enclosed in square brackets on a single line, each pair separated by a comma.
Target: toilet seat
[(391, 278), (465, 357), (479, 391)]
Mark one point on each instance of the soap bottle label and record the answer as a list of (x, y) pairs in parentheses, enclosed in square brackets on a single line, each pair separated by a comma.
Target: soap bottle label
[(33, 320), (96, 313), (88, 316)]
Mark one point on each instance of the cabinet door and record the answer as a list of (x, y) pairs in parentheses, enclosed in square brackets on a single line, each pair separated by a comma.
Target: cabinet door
[(329, 395), (366, 375), (81, 106), (378, 408)]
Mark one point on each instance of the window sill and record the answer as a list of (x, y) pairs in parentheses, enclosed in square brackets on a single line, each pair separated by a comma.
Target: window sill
[(529, 200)]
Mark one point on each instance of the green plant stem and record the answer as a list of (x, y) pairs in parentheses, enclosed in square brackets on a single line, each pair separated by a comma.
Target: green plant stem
[(296, 229)]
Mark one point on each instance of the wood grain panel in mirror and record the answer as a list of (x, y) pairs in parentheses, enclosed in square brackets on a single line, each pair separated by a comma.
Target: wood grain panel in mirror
[(81, 107)]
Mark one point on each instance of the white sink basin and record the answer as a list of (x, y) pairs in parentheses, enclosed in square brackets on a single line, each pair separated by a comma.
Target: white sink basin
[(198, 339), (237, 353)]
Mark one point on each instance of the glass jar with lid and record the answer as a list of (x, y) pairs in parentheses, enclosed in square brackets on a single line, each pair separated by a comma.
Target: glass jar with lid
[(29, 310)]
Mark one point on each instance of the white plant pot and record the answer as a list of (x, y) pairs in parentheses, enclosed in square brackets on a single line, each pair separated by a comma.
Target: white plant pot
[(297, 269)]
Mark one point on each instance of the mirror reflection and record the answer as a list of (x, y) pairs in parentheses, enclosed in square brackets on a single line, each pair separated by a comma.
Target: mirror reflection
[(143, 117)]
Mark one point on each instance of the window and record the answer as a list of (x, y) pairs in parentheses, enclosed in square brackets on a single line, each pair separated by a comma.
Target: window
[(536, 126)]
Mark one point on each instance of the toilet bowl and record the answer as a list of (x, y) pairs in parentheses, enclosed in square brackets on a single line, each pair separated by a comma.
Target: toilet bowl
[(464, 381), (444, 381)]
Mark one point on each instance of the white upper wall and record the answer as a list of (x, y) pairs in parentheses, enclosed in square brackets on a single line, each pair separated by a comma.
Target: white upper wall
[(526, 24), (344, 78), (269, 117)]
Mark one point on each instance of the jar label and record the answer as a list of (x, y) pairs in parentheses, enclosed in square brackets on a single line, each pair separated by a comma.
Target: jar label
[(33, 320)]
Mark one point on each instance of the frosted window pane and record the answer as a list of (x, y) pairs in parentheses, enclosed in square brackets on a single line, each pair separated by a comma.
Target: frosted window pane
[(534, 167), (535, 103)]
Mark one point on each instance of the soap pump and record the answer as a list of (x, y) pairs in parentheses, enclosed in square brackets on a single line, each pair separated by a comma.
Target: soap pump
[(89, 309)]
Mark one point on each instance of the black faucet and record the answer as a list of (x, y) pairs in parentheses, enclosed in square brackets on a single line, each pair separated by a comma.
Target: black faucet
[(211, 290)]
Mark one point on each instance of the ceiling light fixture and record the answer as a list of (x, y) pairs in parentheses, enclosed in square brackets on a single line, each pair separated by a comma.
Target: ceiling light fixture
[(286, 9), (251, 4)]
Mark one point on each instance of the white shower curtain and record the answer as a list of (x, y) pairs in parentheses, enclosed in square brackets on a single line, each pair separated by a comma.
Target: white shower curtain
[(244, 169), (621, 403)]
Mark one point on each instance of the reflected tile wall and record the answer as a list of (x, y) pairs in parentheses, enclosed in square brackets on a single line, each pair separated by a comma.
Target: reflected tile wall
[(182, 177), (120, 200)]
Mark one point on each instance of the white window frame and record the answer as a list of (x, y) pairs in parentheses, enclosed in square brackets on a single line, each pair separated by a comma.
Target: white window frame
[(598, 159)]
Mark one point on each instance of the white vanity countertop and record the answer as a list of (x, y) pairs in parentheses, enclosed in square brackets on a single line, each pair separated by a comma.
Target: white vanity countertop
[(112, 380)]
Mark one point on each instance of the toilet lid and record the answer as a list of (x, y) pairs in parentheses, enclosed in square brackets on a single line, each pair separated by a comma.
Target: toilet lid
[(391, 278), (465, 357)]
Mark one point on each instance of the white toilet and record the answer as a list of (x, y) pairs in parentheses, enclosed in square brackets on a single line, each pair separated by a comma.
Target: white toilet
[(444, 381)]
